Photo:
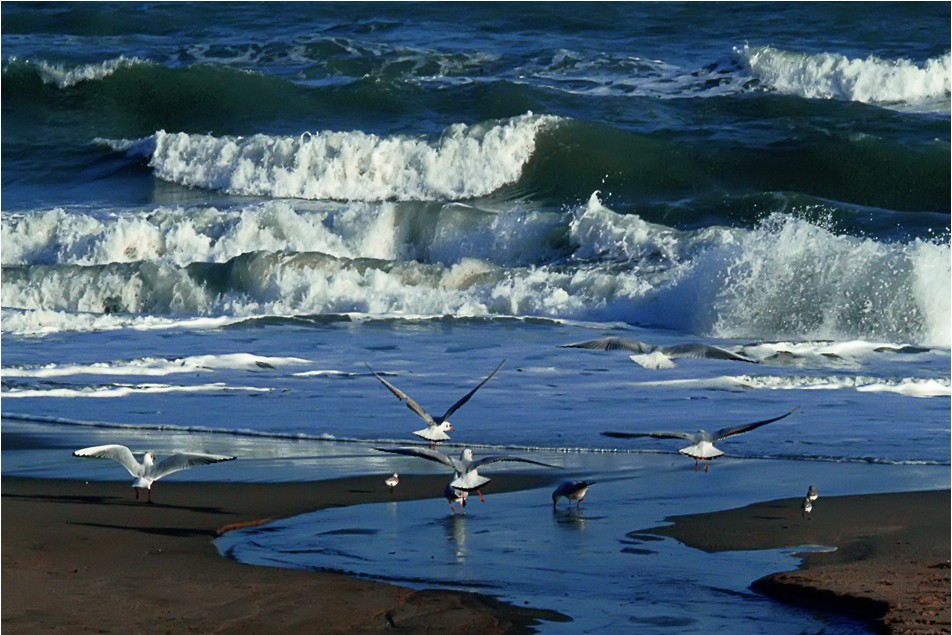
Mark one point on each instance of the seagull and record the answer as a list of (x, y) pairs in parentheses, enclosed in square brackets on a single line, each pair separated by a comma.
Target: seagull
[(572, 491), (454, 495), (149, 471), (466, 476), (812, 494), (392, 482), (806, 506), (655, 357), (436, 427), (702, 442)]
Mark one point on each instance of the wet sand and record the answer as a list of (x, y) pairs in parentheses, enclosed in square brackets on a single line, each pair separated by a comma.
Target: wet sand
[(88, 558), (890, 566)]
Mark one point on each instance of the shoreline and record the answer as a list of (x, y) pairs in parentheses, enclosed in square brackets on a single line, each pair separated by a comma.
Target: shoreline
[(70, 545), (890, 566)]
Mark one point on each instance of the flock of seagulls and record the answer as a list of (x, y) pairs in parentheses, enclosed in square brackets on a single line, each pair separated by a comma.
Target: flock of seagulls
[(466, 478)]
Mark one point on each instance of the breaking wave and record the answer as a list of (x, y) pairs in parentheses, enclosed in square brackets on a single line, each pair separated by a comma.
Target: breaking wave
[(834, 76)]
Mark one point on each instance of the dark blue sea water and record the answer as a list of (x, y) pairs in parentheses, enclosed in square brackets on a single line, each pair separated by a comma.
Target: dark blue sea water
[(214, 215)]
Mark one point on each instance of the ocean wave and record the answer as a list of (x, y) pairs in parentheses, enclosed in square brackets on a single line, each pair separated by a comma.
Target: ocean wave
[(833, 76), (156, 367), (908, 386), (63, 76), (787, 279), (465, 162), (121, 390)]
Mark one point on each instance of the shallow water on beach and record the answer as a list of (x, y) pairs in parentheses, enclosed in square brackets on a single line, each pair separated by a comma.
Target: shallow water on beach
[(594, 564)]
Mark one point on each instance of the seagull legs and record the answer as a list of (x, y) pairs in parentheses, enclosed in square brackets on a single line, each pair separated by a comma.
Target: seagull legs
[(481, 499)]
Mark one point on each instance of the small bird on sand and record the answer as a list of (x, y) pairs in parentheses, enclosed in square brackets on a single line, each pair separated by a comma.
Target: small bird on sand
[(436, 427), (807, 507), (467, 478), (572, 491), (149, 471), (454, 495), (655, 357), (392, 482), (702, 442), (812, 494)]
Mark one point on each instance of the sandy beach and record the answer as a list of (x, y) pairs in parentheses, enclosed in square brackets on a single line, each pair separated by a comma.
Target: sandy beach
[(87, 557), (890, 566)]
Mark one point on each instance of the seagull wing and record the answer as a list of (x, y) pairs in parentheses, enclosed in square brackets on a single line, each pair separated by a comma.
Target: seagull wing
[(423, 453), (612, 344), (704, 351), (657, 435), (402, 396), (723, 433), (183, 461), (514, 459), (456, 406), (118, 453)]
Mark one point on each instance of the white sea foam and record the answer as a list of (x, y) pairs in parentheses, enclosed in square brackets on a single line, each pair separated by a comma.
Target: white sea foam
[(124, 390), (787, 279), (465, 162), (834, 76), (64, 76), (910, 387), (156, 367)]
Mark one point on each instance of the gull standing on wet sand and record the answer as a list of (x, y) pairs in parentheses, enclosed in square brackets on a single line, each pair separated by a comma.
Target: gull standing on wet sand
[(436, 427), (806, 506), (392, 482), (467, 478), (572, 491), (149, 471), (702, 442)]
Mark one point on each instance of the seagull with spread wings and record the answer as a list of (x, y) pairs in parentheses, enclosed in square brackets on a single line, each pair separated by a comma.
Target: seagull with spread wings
[(702, 442), (466, 476), (436, 427), (149, 471), (655, 357)]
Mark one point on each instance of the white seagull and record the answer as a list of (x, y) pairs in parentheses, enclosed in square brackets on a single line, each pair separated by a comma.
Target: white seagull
[(436, 427), (812, 494), (466, 478), (655, 357), (702, 442), (149, 471), (454, 495), (572, 491), (393, 481)]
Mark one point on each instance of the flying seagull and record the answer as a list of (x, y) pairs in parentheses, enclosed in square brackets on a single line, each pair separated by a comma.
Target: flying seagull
[(702, 442), (436, 427), (149, 471), (651, 356), (572, 491), (466, 476)]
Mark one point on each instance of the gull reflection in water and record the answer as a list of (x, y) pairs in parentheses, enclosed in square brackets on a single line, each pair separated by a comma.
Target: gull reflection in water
[(456, 535)]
